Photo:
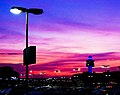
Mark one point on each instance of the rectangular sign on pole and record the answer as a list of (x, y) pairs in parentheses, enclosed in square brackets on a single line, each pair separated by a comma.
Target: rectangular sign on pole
[(29, 55)]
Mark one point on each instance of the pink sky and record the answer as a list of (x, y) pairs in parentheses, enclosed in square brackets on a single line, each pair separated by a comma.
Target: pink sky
[(65, 35)]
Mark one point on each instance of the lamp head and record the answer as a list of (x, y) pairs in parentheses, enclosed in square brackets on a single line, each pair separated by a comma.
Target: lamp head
[(35, 11), (17, 10)]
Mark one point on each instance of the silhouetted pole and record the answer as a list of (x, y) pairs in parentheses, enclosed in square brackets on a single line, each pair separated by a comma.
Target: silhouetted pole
[(27, 73), (35, 11)]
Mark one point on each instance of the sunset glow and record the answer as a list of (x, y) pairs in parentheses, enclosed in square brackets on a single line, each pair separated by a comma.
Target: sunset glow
[(65, 35)]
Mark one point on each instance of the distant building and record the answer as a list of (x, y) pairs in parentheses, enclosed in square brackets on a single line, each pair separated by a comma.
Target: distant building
[(90, 64), (99, 78)]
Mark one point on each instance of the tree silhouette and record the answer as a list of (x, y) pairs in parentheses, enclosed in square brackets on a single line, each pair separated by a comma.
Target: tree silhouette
[(119, 67), (8, 72)]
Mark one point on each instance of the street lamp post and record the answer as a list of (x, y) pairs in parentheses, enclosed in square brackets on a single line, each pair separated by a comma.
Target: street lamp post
[(42, 74), (35, 11), (57, 72), (76, 70), (105, 66)]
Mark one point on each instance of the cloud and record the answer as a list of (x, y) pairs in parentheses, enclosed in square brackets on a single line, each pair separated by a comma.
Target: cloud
[(10, 36), (10, 53), (68, 24), (107, 55), (43, 67), (62, 59), (9, 31), (66, 62)]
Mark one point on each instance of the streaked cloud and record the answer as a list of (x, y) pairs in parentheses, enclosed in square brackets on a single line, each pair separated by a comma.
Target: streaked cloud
[(65, 35)]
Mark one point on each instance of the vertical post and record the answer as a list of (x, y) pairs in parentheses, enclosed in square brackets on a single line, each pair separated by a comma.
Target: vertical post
[(26, 45), (105, 68), (90, 69)]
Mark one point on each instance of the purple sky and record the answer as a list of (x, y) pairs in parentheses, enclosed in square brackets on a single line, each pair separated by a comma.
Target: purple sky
[(65, 34)]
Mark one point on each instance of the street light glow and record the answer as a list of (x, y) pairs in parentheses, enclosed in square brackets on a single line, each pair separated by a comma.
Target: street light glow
[(57, 71), (105, 66), (76, 69), (15, 11)]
